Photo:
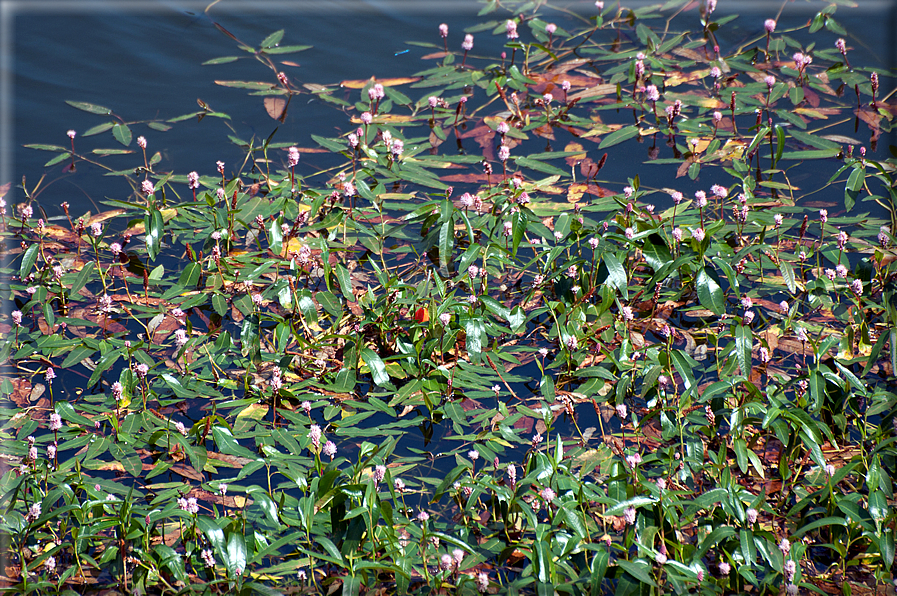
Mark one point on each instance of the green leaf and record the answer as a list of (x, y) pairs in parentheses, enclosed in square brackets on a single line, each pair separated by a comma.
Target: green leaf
[(94, 130), (710, 294), (886, 546), (122, 134), (221, 60), (272, 40), (811, 154), (127, 457), (616, 274), (155, 229), (331, 303), (446, 242), (286, 49), (378, 368), (475, 328), (67, 412), (76, 356), (540, 166), (214, 534), (345, 281), (618, 136), (744, 340), (331, 144), (89, 107), (639, 569), (190, 276), (29, 259), (236, 553), (788, 275), (685, 366), (813, 140), (171, 559), (219, 303)]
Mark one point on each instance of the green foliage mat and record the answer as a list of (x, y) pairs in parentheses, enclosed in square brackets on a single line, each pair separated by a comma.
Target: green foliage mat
[(466, 356)]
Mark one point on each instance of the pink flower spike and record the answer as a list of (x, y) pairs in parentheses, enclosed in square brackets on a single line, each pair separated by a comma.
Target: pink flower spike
[(770, 25)]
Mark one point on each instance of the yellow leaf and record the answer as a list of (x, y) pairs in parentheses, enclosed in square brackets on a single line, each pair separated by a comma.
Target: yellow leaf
[(359, 84), (138, 227), (253, 411), (387, 118)]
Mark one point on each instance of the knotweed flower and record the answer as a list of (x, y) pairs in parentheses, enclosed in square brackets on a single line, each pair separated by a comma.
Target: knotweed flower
[(315, 433), (629, 233), (179, 426), (379, 473), (548, 495), (621, 411), (698, 234), (629, 516), (16, 317), (769, 25), (117, 391), (188, 504), (511, 28), (293, 156), (467, 44), (55, 422), (399, 485), (504, 153), (701, 198), (193, 180), (330, 449), (751, 514), (141, 142), (512, 475), (443, 30), (445, 318), (180, 337), (366, 118), (473, 454), (207, 557), (856, 286), (147, 187), (446, 563), (823, 215), (785, 546)]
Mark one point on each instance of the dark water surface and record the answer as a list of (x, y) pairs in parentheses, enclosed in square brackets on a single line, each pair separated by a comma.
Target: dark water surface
[(144, 60)]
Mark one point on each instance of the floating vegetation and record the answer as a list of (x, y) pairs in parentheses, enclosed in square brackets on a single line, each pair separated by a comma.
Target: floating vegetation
[(460, 348)]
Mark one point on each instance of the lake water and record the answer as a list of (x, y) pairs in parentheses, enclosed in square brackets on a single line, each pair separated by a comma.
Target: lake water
[(144, 60)]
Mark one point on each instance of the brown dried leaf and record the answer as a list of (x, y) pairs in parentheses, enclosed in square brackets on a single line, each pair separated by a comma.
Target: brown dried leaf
[(21, 394), (572, 160), (596, 91), (275, 106)]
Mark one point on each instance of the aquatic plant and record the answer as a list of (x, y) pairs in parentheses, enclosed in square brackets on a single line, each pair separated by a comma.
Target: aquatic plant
[(403, 369)]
